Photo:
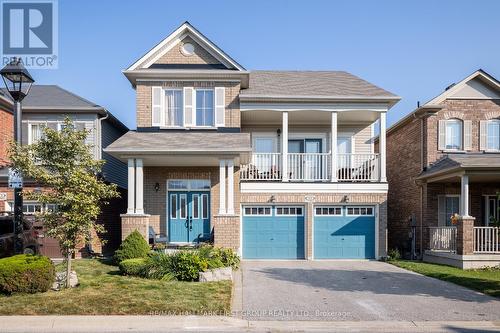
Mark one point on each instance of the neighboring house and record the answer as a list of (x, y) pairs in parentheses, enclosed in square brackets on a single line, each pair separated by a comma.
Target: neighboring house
[(48, 105), (247, 156), (444, 159)]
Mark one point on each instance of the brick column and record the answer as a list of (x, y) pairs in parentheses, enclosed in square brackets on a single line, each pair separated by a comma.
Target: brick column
[(131, 222), (465, 235)]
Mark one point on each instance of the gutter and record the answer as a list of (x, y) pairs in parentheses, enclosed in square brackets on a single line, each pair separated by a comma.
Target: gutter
[(100, 133)]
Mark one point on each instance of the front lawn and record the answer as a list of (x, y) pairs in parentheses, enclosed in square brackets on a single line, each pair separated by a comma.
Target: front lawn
[(103, 291), (485, 280)]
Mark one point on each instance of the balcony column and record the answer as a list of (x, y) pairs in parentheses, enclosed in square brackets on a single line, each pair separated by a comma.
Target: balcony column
[(382, 145), (139, 187), (222, 187), (284, 145), (131, 186), (230, 186), (464, 196), (333, 149)]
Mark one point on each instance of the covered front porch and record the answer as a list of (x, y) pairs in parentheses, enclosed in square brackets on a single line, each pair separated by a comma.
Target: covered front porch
[(461, 206)]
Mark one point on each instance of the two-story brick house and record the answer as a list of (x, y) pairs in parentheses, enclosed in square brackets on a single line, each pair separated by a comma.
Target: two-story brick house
[(443, 159), (47, 106), (274, 164)]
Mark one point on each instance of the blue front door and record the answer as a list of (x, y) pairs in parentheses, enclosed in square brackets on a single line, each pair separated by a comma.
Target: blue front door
[(344, 232), (188, 216)]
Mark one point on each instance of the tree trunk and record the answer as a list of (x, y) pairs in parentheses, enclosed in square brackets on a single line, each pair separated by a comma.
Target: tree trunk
[(68, 269)]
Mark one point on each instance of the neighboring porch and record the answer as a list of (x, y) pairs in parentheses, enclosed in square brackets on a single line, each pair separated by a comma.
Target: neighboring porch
[(461, 208)]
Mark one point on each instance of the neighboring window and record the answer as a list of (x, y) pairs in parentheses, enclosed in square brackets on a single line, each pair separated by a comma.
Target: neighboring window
[(454, 130), (35, 132), (266, 211), (452, 207), (290, 211), (359, 211), (32, 208), (204, 107), (493, 131), (174, 112), (335, 211), (264, 145)]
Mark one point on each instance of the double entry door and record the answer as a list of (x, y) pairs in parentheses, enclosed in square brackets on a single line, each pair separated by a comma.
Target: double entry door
[(188, 216)]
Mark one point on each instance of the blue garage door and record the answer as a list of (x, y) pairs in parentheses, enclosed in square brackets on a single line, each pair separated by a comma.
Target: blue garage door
[(344, 232), (273, 232)]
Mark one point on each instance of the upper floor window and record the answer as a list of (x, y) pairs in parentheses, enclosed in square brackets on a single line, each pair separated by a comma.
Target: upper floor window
[(35, 132), (204, 107), (493, 142), (454, 137), (174, 107)]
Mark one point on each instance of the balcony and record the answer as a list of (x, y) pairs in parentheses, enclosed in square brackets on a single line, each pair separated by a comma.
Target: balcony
[(312, 167)]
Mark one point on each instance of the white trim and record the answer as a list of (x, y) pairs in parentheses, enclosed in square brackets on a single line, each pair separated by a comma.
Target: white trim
[(326, 107), (131, 186), (139, 187), (326, 187), (230, 187), (219, 91), (222, 187), (175, 37)]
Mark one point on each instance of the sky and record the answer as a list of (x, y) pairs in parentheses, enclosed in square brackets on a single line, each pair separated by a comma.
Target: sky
[(413, 49)]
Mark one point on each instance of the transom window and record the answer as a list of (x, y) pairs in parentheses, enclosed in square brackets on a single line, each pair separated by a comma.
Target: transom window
[(493, 142), (454, 131), (359, 211), (204, 107), (258, 211), (328, 211), (290, 211), (174, 111)]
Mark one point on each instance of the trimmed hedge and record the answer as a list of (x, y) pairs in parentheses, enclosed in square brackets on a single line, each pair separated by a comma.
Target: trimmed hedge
[(187, 265), (132, 267), (26, 273), (134, 246)]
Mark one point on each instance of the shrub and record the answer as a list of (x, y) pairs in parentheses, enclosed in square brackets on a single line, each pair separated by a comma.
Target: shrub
[(26, 273), (158, 266), (134, 246), (132, 267), (219, 257), (393, 255), (187, 265)]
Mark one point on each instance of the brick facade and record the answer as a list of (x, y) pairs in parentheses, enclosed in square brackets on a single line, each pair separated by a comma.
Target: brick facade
[(6, 133), (176, 56)]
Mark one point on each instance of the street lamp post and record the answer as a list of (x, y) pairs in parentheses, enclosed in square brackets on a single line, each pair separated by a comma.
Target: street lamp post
[(18, 81)]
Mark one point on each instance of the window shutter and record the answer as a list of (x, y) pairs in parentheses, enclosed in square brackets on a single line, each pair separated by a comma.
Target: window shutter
[(189, 106), (441, 210), (442, 135), (156, 109), (483, 134), (467, 134), (220, 106)]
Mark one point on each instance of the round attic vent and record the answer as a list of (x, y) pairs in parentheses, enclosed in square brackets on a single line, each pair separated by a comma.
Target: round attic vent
[(187, 49)]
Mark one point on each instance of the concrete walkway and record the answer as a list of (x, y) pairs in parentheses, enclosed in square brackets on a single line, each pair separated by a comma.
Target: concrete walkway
[(353, 291), (90, 324)]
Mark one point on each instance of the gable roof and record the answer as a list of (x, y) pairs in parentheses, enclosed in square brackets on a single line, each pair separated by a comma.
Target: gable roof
[(314, 85), (453, 162), (186, 29)]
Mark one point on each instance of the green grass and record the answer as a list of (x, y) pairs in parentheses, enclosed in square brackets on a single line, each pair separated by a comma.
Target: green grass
[(103, 291), (485, 280)]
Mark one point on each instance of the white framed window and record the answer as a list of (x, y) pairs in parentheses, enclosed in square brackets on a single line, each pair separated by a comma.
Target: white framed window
[(359, 211), (454, 134), (328, 211), (205, 105), (264, 145), (448, 205), (289, 211), (174, 108), (257, 210), (493, 135), (35, 132)]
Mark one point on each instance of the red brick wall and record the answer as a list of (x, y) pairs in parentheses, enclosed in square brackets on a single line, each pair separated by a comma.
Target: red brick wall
[(6, 133)]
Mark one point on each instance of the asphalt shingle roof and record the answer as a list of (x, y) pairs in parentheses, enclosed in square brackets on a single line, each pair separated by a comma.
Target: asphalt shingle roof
[(311, 83), (463, 161), (181, 142)]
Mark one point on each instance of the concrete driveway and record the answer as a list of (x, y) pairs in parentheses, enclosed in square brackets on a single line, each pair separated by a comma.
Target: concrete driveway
[(352, 291)]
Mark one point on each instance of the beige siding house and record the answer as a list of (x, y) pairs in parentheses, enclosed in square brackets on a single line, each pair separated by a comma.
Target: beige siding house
[(274, 164)]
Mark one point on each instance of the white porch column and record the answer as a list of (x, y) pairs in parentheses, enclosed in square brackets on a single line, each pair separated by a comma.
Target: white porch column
[(382, 146), (230, 186), (131, 186), (222, 186), (464, 196), (284, 145), (139, 187), (333, 150)]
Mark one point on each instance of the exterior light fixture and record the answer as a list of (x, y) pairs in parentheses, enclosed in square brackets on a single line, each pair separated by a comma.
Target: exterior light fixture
[(157, 187)]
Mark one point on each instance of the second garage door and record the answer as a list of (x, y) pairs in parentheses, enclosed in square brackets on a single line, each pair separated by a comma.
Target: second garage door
[(344, 232), (273, 232)]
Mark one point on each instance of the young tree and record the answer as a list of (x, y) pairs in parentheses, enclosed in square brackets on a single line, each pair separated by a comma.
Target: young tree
[(62, 161)]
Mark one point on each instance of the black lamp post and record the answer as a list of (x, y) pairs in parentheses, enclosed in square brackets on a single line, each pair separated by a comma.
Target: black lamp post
[(18, 81)]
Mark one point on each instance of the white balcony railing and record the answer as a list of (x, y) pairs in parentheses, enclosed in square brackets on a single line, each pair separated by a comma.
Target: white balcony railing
[(312, 167), (486, 240), (443, 239)]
